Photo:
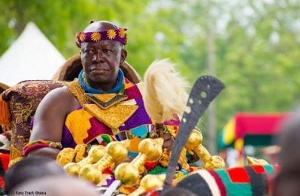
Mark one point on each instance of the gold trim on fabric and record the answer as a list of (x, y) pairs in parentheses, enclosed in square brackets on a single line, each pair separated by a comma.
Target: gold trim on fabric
[(105, 97), (14, 153), (114, 116), (14, 161), (77, 91)]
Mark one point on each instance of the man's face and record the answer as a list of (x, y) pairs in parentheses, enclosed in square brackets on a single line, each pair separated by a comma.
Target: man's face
[(101, 61)]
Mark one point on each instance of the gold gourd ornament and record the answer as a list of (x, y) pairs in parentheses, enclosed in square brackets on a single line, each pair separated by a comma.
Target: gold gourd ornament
[(149, 182), (149, 150), (182, 160), (68, 155), (115, 152), (254, 161), (65, 156), (95, 154), (194, 145)]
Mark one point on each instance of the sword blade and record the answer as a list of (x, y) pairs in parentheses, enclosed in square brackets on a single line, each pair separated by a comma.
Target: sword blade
[(205, 89), (112, 188)]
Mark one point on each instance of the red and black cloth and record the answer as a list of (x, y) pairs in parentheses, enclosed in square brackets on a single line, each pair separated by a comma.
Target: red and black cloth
[(236, 181), (4, 159)]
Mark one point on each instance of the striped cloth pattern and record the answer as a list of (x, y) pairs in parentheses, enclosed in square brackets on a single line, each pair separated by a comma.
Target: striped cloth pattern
[(237, 181)]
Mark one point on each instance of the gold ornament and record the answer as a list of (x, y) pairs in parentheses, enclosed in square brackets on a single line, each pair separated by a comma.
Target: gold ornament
[(95, 154), (127, 173), (80, 152), (253, 161), (65, 156), (96, 36), (165, 158), (182, 160), (215, 162), (111, 34), (149, 182), (149, 150), (116, 152), (122, 33), (194, 145), (117, 114)]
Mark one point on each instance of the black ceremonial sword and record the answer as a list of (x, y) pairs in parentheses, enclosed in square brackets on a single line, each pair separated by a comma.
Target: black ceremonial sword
[(205, 89)]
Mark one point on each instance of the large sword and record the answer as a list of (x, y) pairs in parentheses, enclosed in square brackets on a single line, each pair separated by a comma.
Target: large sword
[(205, 89)]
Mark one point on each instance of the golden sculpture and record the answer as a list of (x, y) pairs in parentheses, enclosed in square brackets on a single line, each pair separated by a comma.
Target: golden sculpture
[(149, 182), (65, 156), (95, 154), (253, 161), (182, 160), (149, 150), (165, 158), (80, 151), (68, 155), (194, 145), (116, 152)]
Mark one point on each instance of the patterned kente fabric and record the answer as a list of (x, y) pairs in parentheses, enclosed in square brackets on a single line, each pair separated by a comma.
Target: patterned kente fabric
[(125, 120), (23, 100), (247, 181)]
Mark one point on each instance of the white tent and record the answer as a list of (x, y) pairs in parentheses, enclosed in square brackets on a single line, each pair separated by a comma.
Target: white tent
[(31, 57)]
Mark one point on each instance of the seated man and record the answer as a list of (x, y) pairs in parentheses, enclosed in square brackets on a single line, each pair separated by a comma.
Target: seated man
[(99, 106)]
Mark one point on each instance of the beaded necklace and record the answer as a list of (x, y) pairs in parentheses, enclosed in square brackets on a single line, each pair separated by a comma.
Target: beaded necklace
[(119, 87)]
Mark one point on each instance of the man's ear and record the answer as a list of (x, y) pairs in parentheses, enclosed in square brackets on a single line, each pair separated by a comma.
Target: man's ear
[(123, 56)]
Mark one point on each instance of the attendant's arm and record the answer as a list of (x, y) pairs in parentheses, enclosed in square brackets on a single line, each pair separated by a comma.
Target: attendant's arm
[(49, 120)]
